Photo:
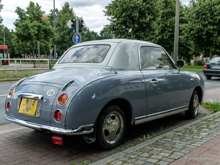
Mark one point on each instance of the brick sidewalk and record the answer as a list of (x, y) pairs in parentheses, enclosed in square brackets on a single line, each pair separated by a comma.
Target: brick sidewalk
[(192, 144), (207, 154)]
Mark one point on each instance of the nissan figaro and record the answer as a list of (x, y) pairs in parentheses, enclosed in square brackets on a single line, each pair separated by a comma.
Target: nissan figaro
[(98, 88)]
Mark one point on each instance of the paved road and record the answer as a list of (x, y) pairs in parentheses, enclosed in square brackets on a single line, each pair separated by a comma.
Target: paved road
[(4, 86), (213, 83)]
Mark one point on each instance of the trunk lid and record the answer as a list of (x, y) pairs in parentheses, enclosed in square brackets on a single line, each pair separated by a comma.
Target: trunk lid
[(47, 87)]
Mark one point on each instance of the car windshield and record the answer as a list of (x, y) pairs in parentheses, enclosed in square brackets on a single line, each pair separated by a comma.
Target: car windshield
[(215, 59), (85, 54)]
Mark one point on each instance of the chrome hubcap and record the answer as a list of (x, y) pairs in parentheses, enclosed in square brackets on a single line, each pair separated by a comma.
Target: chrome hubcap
[(112, 127), (196, 104)]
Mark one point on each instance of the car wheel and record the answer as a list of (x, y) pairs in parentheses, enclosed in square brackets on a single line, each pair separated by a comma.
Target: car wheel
[(193, 111), (208, 77), (111, 127)]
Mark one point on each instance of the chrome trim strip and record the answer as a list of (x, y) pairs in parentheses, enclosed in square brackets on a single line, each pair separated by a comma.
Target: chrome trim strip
[(158, 113), (67, 84), (31, 96), (146, 118), (82, 130), (20, 81)]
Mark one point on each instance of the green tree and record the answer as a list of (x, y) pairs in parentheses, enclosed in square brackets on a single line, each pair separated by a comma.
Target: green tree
[(1, 7), (204, 24), (89, 35), (1, 26), (135, 19), (166, 23), (186, 46), (63, 33), (106, 33), (30, 27), (8, 41), (6, 35)]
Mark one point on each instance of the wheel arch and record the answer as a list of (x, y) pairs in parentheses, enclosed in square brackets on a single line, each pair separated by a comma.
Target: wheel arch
[(200, 93), (124, 105)]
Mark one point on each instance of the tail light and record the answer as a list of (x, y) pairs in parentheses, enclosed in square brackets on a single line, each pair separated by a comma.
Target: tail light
[(11, 93), (62, 99), (58, 115), (205, 66), (8, 106)]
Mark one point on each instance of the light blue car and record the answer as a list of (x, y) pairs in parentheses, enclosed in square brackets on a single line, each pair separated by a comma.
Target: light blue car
[(98, 88)]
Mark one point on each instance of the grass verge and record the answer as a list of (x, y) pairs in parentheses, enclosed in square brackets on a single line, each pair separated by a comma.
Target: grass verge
[(214, 107), (193, 68), (12, 75)]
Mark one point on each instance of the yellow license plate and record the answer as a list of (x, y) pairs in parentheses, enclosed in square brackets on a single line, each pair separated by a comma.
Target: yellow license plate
[(28, 106)]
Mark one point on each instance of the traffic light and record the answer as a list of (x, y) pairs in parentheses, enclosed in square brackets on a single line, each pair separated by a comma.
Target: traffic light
[(73, 25), (80, 25)]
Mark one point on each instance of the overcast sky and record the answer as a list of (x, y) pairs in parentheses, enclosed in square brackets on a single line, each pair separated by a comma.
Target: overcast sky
[(90, 10)]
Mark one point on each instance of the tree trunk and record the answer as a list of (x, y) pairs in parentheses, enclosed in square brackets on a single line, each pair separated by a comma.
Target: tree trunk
[(210, 52)]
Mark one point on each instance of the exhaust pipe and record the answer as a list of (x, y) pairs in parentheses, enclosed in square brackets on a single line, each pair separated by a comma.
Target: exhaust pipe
[(48, 133)]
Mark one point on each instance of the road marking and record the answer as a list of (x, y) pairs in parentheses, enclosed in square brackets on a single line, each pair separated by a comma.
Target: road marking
[(3, 95)]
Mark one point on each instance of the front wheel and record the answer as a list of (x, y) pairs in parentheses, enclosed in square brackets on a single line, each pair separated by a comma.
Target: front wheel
[(111, 127), (193, 111)]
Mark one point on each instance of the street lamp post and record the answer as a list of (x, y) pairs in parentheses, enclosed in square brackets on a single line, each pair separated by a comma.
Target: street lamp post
[(176, 34), (55, 49)]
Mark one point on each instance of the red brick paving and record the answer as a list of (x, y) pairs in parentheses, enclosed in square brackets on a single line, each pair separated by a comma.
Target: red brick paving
[(206, 154)]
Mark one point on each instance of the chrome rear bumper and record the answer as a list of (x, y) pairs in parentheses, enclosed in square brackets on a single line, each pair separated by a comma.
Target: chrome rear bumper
[(82, 130)]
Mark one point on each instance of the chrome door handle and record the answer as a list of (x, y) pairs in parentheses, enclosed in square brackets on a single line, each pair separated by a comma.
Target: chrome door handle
[(154, 81)]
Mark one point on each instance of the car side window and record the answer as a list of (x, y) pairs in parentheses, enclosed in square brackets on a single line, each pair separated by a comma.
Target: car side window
[(155, 58)]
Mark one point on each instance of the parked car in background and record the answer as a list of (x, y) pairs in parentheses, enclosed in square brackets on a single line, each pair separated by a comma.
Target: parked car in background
[(212, 68), (98, 88)]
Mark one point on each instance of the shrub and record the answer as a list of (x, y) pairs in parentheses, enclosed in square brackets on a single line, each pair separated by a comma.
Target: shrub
[(199, 62)]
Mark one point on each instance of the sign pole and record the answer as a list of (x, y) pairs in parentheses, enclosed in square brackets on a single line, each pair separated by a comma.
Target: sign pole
[(176, 34), (55, 48), (38, 46), (77, 26)]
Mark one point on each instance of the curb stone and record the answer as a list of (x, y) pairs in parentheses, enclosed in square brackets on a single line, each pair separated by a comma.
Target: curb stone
[(170, 146)]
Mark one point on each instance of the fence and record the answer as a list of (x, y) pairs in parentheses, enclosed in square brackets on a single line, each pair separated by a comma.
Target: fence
[(27, 64)]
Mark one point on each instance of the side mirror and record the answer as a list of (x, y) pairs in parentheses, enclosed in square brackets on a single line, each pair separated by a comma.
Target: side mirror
[(180, 63)]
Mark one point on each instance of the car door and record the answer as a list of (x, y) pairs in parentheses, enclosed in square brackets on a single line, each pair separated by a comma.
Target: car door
[(166, 88)]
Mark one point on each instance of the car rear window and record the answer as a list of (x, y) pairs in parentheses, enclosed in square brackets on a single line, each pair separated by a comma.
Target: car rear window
[(86, 54)]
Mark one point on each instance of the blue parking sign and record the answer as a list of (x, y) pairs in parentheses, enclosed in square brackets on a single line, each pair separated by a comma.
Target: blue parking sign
[(77, 38)]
